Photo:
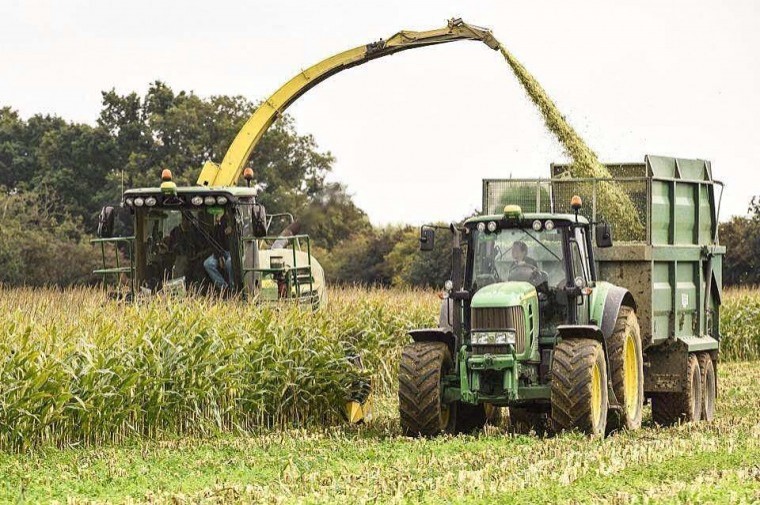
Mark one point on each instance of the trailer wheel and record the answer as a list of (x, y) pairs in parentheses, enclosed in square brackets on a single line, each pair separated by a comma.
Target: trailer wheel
[(626, 371), (686, 406), (422, 413), (709, 389), (579, 386)]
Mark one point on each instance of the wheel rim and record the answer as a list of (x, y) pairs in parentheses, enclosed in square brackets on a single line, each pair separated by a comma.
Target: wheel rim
[(696, 399), (630, 377), (709, 395), (596, 393)]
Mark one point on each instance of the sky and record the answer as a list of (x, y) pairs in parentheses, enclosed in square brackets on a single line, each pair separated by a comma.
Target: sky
[(414, 134)]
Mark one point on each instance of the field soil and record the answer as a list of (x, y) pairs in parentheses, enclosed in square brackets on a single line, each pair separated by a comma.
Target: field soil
[(208, 401), (695, 463)]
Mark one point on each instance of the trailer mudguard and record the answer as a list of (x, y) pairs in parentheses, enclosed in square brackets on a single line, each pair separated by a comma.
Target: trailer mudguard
[(605, 305), (435, 335)]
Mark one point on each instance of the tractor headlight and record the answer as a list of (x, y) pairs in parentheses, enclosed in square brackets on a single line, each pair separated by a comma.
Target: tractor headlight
[(150, 201), (549, 225), (129, 202), (139, 202), (492, 226), (537, 225), (500, 337), (209, 200), (481, 226), (197, 200), (221, 200)]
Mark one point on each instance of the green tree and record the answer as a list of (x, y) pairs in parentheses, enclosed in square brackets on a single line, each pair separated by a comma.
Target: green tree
[(332, 217), (361, 258), (741, 236), (40, 245), (412, 267)]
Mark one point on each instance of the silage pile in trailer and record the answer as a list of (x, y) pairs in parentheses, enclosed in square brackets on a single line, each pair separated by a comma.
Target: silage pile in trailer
[(616, 205), (77, 368)]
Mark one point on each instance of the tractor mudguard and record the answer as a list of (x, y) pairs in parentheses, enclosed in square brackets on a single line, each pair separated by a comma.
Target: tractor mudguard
[(434, 335), (568, 331), (615, 298)]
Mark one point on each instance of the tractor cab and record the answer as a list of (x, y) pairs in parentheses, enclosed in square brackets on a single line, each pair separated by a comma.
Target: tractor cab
[(208, 240), (542, 262)]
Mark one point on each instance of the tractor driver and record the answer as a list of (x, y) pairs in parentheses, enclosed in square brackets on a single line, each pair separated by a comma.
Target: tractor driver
[(524, 268), (182, 243), (220, 260)]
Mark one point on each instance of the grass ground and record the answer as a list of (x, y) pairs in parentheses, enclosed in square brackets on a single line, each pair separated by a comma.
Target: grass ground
[(715, 462)]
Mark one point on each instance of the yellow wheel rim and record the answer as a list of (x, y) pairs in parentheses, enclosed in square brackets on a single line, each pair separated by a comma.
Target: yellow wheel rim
[(596, 393), (630, 377)]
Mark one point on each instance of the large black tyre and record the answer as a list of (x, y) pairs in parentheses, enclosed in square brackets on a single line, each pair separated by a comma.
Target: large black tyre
[(421, 410), (626, 371), (524, 420), (579, 386), (686, 406), (709, 386)]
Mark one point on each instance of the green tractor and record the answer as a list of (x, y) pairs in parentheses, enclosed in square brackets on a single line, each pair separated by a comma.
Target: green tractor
[(545, 316), (208, 239)]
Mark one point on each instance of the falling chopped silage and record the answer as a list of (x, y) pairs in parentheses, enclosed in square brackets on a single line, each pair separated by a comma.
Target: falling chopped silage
[(613, 202)]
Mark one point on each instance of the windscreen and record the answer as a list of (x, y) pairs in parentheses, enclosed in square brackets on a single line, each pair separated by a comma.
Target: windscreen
[(176, 243), (518, 255)]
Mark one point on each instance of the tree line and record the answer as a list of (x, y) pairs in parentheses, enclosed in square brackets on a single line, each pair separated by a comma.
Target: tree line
[(55, 175)]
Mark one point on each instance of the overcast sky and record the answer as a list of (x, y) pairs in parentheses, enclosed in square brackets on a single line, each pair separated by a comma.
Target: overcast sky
[(414, 133)]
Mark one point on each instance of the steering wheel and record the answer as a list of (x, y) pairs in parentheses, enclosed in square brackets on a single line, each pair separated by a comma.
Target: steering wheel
[(525, 272)]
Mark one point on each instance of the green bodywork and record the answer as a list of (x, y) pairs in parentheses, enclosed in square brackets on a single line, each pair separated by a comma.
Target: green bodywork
[(234, 191), (503, 368), (529, 216), (290, 271), (671, 275), (514, 294)]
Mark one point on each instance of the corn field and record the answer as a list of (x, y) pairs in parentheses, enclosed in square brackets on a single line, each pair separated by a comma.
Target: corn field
[(78, 368)]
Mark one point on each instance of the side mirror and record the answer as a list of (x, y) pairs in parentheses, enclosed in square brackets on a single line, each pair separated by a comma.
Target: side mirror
[(603, 235), (427, 239), (259, 224), (106, 221)]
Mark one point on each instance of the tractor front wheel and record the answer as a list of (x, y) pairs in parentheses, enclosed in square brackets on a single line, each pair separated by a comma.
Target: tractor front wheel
[(579, 386), (420, 391)]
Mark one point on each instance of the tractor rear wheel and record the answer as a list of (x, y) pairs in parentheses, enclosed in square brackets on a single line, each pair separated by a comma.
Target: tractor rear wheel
[(579, 386), (709, 386), (686, 406), (420, 391), (626, 371)]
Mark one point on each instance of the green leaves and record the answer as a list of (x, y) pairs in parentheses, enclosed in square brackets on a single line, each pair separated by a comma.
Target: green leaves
[(78, 368)]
